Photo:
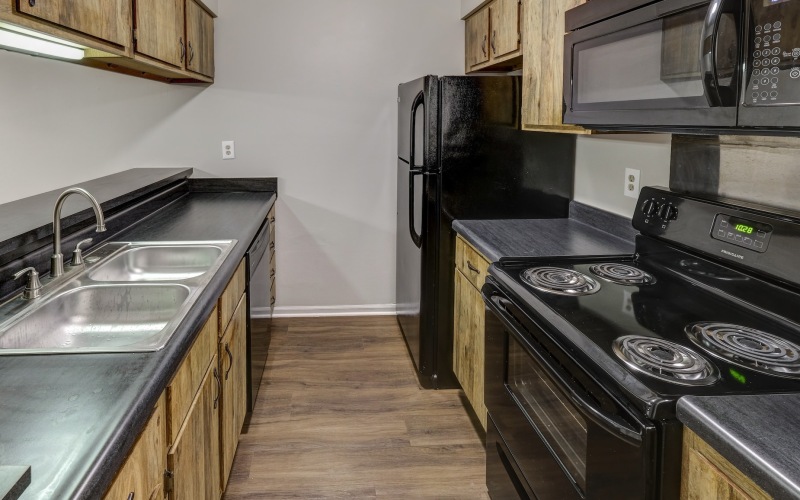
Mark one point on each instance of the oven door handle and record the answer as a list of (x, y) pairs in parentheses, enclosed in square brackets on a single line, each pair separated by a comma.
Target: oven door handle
[(610, 423)]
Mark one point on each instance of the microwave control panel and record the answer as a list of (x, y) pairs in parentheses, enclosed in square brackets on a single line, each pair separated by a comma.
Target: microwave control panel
[(773, 61)]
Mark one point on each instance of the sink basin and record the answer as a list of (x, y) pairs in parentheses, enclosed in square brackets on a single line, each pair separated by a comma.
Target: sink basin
[(98, 318), (158, 263)]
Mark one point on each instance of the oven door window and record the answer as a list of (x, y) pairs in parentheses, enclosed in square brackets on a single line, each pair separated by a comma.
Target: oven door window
[(655, 65), (560, 424)]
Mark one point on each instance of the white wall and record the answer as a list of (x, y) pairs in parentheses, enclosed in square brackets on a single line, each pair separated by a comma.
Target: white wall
[(601, 160), (468, 6), (308, 92)]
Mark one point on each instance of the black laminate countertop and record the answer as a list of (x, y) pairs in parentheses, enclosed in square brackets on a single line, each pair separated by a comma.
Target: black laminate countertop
[(74, 418), (539, 238), (759, 434)]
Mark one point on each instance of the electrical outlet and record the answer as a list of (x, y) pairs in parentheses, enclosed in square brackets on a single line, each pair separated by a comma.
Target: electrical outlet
[(632, 182), (228, 150)]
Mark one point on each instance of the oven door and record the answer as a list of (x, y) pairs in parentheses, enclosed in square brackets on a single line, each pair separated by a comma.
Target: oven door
[(672, 63), (564, 433)]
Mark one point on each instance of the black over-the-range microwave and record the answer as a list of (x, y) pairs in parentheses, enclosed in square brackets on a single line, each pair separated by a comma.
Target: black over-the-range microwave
[(691, 65)]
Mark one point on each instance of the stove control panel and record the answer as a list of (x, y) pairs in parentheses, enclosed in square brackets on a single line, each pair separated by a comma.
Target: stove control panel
[(658, 211), (742, 232)]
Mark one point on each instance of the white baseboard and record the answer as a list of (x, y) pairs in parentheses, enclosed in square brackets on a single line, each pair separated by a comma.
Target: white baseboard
[(318, 311)]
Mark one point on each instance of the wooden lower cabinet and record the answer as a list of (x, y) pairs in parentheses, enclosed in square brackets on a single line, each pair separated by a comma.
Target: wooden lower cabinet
[(142, 474), (706, 474), (233, 370), (193, 460), (468, 325)]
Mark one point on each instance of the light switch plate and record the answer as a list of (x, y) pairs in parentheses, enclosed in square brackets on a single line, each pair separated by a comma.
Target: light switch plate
[(631, 185)]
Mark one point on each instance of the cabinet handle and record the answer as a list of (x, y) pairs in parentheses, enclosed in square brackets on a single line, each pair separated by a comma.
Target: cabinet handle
[(32, 3), (191, 52), (183, 49), (483, 45), (219, 388), (472, 268), (132, 494), (230, 357), (494, 40)]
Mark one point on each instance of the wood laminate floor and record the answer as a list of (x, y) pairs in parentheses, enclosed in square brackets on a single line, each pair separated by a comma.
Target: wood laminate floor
[(340, 415)]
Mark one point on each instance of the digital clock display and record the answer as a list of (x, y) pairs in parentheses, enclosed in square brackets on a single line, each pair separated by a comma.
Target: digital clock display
[(742, 232)]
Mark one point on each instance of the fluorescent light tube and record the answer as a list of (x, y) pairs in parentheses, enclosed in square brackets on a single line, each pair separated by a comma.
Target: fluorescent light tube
[(37, 46)]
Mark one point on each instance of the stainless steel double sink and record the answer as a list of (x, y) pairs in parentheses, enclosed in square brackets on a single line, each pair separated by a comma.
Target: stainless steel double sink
[(128, 297)]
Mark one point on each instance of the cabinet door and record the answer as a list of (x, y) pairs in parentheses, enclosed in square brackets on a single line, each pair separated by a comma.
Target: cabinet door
[(477, 38), (233, 369), (143, 470), (199, 39), (159, 30), (108, 20), (505, 37), (468, 342), (194, 458), (543, 66)]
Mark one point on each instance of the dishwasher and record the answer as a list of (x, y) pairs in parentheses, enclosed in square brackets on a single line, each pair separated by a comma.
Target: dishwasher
[(257, 264)]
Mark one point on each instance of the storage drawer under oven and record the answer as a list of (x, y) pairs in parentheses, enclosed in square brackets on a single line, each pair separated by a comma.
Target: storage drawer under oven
[(568, 436)]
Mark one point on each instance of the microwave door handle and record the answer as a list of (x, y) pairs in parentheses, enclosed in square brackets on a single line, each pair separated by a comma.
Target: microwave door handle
[(610, 423), (708, 52)]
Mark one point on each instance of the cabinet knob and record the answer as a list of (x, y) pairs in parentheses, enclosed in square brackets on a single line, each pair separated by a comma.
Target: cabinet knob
[(32, 3)]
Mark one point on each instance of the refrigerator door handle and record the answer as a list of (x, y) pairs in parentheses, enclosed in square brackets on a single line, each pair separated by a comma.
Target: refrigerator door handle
[(415, 237), (419, 100)]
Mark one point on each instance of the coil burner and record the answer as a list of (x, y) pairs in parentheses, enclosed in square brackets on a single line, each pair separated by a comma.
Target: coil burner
[(622, 274), (748, 348), (560, 281), (665, 360)]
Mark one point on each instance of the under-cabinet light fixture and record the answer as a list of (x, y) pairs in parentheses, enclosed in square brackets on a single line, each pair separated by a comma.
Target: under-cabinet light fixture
[(19, 42)]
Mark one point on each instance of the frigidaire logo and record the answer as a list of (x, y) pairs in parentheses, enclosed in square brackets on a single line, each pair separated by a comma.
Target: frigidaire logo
[(733, 254)]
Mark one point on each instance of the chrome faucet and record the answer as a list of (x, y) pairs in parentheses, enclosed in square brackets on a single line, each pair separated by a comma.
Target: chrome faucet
[(57, 260)]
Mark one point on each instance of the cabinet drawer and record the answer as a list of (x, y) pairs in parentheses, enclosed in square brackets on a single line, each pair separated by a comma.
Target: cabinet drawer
[(230, 298), (470, 262), (181, 391)]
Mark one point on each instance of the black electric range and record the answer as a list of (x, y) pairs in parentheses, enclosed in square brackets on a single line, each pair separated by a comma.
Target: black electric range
[(587, 357)]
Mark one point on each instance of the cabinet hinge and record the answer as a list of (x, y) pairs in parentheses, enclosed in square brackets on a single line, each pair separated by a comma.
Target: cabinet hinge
[(169, 481)]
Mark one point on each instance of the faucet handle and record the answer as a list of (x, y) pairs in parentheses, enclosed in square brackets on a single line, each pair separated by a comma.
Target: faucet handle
[(33, 287), (77, 256)]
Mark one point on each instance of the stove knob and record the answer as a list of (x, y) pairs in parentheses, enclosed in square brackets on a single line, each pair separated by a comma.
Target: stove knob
[(650, 207), (668, 212)]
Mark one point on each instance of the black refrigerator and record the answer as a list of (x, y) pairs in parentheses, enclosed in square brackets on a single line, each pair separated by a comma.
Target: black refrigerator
[(462, 155)]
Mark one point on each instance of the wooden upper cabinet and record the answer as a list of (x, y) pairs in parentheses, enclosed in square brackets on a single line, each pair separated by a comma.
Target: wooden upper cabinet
[(199, 39), (543, 65), (505, 18), (493, 37), (477, 39), (159, 31), (107, 20)]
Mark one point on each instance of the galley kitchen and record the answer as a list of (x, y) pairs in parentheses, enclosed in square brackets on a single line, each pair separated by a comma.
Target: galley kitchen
[(473, 249)]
